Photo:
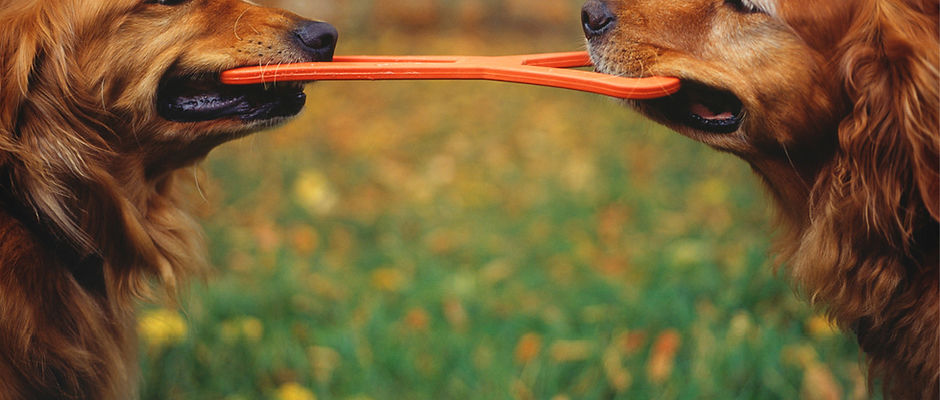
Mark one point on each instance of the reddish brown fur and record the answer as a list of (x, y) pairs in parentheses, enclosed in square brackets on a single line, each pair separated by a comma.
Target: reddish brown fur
[(89, 221), (841, 120)]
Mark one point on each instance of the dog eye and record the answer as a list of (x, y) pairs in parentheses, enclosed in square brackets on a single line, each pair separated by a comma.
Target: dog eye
[(744, 6)]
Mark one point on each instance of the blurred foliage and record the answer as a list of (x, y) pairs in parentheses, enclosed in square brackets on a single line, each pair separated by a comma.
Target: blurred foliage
[(480, 240), (373, 17)]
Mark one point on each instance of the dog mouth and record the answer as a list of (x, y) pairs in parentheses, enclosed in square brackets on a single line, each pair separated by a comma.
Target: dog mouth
[(702, 107), (204, 98)]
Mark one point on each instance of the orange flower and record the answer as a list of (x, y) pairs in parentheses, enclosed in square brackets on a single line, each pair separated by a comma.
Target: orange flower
[(417, 319), (388, 279), (663, 355), (528, 347), (304, 240), (631, 342), (455, 313), (267, 236)]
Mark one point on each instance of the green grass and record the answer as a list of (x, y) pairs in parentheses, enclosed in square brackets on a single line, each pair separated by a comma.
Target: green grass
[(474, 240)]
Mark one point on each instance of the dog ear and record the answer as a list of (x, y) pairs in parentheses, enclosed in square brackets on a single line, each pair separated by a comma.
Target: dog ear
[(44, 135), (875, 209), (891, 141), (51, 137), (56, 159), (876, 215)]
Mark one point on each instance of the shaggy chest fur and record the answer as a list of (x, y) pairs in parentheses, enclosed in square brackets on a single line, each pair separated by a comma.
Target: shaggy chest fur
[(60, 337)]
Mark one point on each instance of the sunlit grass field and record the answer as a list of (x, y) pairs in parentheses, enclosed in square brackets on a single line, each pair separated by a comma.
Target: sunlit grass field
[(478, 240)]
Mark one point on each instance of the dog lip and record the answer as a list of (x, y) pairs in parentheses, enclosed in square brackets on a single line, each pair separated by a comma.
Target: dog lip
[(714, 125), (202, 106), (703, 107), (191, 99), (726, 119)]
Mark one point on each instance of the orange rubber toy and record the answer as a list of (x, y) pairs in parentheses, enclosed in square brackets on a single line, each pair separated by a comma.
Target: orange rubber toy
[(538, 69)]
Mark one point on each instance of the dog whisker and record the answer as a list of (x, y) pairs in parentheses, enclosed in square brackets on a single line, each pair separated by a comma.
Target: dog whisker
[(235, 26), (196, 184)]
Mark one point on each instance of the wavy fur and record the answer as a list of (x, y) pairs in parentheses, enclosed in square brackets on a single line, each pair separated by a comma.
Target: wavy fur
[(840, 118), (90, 220)]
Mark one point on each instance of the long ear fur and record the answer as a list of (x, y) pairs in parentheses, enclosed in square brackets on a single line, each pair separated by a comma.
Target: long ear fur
[(892, 141), (50, 137), (56, 157), (870, 253)]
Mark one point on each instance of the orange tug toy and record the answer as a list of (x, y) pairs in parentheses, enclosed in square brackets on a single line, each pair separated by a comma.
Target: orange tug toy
[(549, 69)]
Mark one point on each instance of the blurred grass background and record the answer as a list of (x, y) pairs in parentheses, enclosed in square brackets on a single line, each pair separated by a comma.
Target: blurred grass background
[(480, 240)]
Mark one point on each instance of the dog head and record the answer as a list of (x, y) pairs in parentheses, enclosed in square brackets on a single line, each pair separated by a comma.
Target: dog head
[(784, 84), (101, 100), (147, 70), (742, 70)]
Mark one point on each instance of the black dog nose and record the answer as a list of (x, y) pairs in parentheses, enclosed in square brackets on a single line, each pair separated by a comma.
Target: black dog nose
[(318, 39), (596, 18)]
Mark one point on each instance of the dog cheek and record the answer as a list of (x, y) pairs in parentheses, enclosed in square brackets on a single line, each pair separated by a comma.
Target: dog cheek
[(209, 58)]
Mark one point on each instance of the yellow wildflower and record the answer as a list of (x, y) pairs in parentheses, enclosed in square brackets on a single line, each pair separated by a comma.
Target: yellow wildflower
[(313, 191), (324, 361), (712, 192), (740, 327), (571, 350), (618, 377), (161, 328), (821, 327), (252, 329), (293, 391), (248, 328), (820, 384), (799, 355)]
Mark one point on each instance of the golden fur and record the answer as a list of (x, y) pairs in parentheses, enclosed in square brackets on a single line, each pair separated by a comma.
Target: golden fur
[(89, 219), (834, 103)]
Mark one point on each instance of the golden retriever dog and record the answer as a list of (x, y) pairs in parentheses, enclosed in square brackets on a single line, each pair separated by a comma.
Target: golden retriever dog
[(101, 103), (834, 104)]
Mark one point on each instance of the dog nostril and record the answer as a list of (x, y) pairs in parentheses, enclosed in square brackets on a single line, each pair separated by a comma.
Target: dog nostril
[(318, 39), (596, 18)]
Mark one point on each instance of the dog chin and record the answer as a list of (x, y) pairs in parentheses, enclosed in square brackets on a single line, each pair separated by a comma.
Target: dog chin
[(222, 130)]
